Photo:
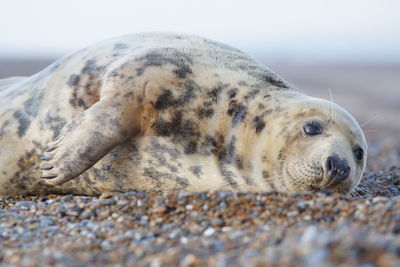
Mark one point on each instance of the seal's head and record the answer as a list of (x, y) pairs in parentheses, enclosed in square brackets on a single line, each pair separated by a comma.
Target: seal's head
[(322, 147)]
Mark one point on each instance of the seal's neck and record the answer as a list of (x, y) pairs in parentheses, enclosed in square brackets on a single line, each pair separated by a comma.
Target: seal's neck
[(263, 136)]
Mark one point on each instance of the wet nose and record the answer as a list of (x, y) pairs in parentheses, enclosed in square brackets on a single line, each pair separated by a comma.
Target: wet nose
[(337, 169)]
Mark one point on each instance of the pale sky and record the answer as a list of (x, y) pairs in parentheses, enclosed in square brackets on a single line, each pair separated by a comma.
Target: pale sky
[(353, 30)]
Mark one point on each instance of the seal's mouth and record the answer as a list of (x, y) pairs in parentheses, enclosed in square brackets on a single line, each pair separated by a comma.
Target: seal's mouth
[(314, 188), (340, 190), (304, 185)]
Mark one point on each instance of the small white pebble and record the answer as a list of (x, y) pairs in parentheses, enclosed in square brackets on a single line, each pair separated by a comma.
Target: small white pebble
[(292, 213), (310, 233), (209, 231)]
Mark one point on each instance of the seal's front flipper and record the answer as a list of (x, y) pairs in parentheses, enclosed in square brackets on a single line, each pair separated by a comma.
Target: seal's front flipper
[(85, 140)]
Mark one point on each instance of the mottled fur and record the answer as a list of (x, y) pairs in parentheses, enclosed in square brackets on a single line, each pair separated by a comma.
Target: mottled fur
[(165, 112)]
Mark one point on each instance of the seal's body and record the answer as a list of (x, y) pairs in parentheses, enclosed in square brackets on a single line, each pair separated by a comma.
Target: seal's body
[(167, 112)]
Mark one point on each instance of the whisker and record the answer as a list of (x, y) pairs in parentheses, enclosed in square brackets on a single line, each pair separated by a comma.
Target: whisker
[(365, 192), (332, 112), (294, 149), (276, 160), (325, 111), (362, 190), (354, 194), (268, 179), (368, 121)]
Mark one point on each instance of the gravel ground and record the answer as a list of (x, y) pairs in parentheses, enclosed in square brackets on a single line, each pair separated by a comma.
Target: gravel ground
[(211, 228)]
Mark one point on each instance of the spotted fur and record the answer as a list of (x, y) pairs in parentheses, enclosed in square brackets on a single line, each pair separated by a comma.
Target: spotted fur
[(163, 112)]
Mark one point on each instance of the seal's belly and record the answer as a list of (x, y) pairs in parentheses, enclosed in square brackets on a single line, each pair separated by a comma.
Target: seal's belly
[(155, 163)]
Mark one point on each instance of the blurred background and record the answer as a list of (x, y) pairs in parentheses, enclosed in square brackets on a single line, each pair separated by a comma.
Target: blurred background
[(349, 47)]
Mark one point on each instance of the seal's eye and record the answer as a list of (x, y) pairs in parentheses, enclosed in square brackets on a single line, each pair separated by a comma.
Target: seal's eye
[(312, 128), (358, 153)]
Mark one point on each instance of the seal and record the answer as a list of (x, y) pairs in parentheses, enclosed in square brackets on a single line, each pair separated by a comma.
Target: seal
[(170, 112)]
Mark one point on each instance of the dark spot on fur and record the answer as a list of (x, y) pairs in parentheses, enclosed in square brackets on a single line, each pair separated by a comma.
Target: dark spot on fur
[(23, 121), (189, 92), (162, 128), (177, 126), (159, 153), (55, 123), (272, 81), (173, 152), (265, 174), (32, 105), (268, 111), (24, 176), (207, 104), (258, 123), (232, 107), (216, 91), (238, 113), (229, 153), (118, 46), (73, 80), (273, 187), (210, 141), (239, 162), (228, 176), (252, 94), (281, 155), (249, 180), (139, 71), (84, 92), (232, 92), (170, 56), (81, 103), (158, 176), (196, 170), (191, 147), (165, 100), (182, 72), (184, 131), (90, 65), (205, 113)]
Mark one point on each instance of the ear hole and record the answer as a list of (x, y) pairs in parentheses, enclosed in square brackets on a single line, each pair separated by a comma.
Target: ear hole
[(358, 153)]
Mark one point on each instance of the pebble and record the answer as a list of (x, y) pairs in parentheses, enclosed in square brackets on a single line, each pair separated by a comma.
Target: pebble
[(25, 204), (209, 231)]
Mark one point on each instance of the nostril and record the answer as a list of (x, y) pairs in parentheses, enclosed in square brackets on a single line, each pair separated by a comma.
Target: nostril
[(337, 169), (346, 172), (331, 167), (329, 164)]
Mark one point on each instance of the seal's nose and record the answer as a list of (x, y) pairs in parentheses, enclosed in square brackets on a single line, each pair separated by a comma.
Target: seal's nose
[(337, 169)]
